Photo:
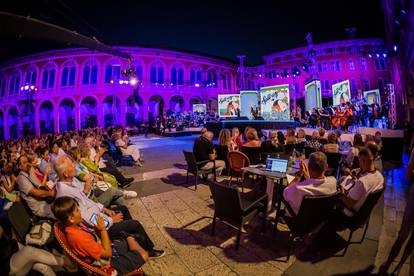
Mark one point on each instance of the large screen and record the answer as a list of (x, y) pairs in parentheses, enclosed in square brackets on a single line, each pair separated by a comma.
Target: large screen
[(274, 102), (250, 104), (200, 108), (229, 105), (341, 92), (372, 95), (313, 95)]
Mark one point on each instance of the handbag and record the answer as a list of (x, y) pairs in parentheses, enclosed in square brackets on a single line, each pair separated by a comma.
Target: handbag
[(40, 234)]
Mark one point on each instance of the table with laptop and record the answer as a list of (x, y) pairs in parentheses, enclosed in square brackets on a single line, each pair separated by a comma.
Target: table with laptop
[(275, 169)]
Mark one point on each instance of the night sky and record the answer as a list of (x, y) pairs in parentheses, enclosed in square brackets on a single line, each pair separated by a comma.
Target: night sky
[(220, 28)]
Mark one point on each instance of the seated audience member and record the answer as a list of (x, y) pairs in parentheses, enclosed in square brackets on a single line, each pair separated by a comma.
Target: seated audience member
[(314, 141), (202, 131), (252, 139), (225, 140), (247, 129), (374, 148), (128, 149), (203, 150), (315, 182), (236, 137), (369, 138), (8, 183), (36, 175), (353, 152), (92, 167), (46, 165), (271, 145), (118, 217), (18, 259), (322, 138), (378, 139), (332, 145), (281, 139), (290, 136), (125, 254), (356, 187), (56, 150), (300, 136), (34, 195)]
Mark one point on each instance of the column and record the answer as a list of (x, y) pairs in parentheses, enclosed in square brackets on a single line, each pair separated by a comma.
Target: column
[(56, 120), (145, 108), (76, 111), (123, 113), (37, 121), (100, 114)]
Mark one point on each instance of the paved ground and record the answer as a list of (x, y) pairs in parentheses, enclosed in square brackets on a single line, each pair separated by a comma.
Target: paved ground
[(178, 219)]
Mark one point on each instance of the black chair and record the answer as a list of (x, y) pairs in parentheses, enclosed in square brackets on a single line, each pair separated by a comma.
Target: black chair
[(21, 220), (222, 152), (313, 214), (231, 207), (193, 167), (333, 159), (254, 154), (361, 218)]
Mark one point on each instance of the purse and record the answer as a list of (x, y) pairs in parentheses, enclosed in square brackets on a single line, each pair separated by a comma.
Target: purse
[(40, 234)]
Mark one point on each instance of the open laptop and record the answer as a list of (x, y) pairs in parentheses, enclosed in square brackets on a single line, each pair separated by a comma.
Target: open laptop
[(277, 166)]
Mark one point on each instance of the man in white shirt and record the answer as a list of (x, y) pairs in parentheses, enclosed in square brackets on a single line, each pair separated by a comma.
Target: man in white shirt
[(315, 182), (357, 187)]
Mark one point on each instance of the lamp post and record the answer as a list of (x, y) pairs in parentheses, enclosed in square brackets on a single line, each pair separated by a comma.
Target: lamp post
[(29, 90)]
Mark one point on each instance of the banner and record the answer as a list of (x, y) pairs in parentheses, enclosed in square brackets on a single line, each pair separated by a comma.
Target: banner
[(229, 105), (274, 102), (371, 95), (313, 95), (250, 104), (200, 108), (341, 92)]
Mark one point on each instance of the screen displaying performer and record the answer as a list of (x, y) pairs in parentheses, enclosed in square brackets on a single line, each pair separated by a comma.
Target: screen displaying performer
[(274, 102), (341, 92)]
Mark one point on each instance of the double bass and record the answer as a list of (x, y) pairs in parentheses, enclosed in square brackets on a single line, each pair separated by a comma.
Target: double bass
[(341, 117)]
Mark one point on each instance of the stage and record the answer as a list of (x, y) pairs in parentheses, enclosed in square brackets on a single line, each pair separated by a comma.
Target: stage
[(215, 127)]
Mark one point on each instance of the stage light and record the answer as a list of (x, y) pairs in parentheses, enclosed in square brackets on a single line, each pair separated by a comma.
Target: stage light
[(384, 55), (21, 88), (369, 55), (112, 81), (377, 55), (197, 85), (395, 48), (126, 82), (26, 87), (120, 81), (133, 81), (32, 87), (277, 75), (260, 75)]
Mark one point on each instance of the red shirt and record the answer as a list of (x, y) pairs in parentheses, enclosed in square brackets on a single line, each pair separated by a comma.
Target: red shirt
[(83, 243)]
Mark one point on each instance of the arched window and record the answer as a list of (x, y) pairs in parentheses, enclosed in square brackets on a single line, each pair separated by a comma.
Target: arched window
[(177, 74), (212, 78), (48, 78), (68, 74), (112, 72), (366, 84), (3, 83), (195, 75), (327, 87), (14, 83), (157, 73), (351, 64), (31, 76), (90, 72), (139, 69)]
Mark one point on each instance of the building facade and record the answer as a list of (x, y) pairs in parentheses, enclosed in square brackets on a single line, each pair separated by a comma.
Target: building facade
[(79, 88)]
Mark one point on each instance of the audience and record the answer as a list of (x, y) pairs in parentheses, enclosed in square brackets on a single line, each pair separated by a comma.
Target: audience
[(332, 145), (128, 149), (290, 136), (225, 140), (354, 150), (204, 151), (271, 145), (252, 139), (322, 138), (300, 136), (314, 183), (314, 141), (236, 137)]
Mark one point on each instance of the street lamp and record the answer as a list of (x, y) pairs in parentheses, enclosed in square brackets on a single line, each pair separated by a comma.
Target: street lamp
[(29, 90)]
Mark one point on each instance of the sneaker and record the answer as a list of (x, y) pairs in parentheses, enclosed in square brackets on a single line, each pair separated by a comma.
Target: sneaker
[(129, 194), (156, 253)]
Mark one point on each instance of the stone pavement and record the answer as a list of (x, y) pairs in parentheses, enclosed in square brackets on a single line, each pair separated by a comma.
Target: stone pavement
[(179, 222)]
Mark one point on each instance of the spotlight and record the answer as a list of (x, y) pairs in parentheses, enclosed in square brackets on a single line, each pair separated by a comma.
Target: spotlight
[(26, 87), (377, 55), (121, 81), (384, 55), (112, 81), (395, 48), (369, 55), (133, 81), (197, 85), (277, 75)]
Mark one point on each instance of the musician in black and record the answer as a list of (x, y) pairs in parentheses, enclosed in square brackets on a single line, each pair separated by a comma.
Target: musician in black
[(375, 110)]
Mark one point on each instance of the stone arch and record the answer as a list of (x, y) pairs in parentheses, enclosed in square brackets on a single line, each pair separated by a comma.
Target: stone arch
[(46, 117), (111, 110), (155, 107), (88, 110), (27, 119), (66, 114), (33, 78), (176, 103), (13, 121), (134, 111)]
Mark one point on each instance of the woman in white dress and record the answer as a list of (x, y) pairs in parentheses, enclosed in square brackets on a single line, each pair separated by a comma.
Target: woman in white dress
[(128, 149)]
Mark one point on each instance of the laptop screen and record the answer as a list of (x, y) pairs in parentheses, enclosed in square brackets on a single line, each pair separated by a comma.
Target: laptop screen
[(276, 165)]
